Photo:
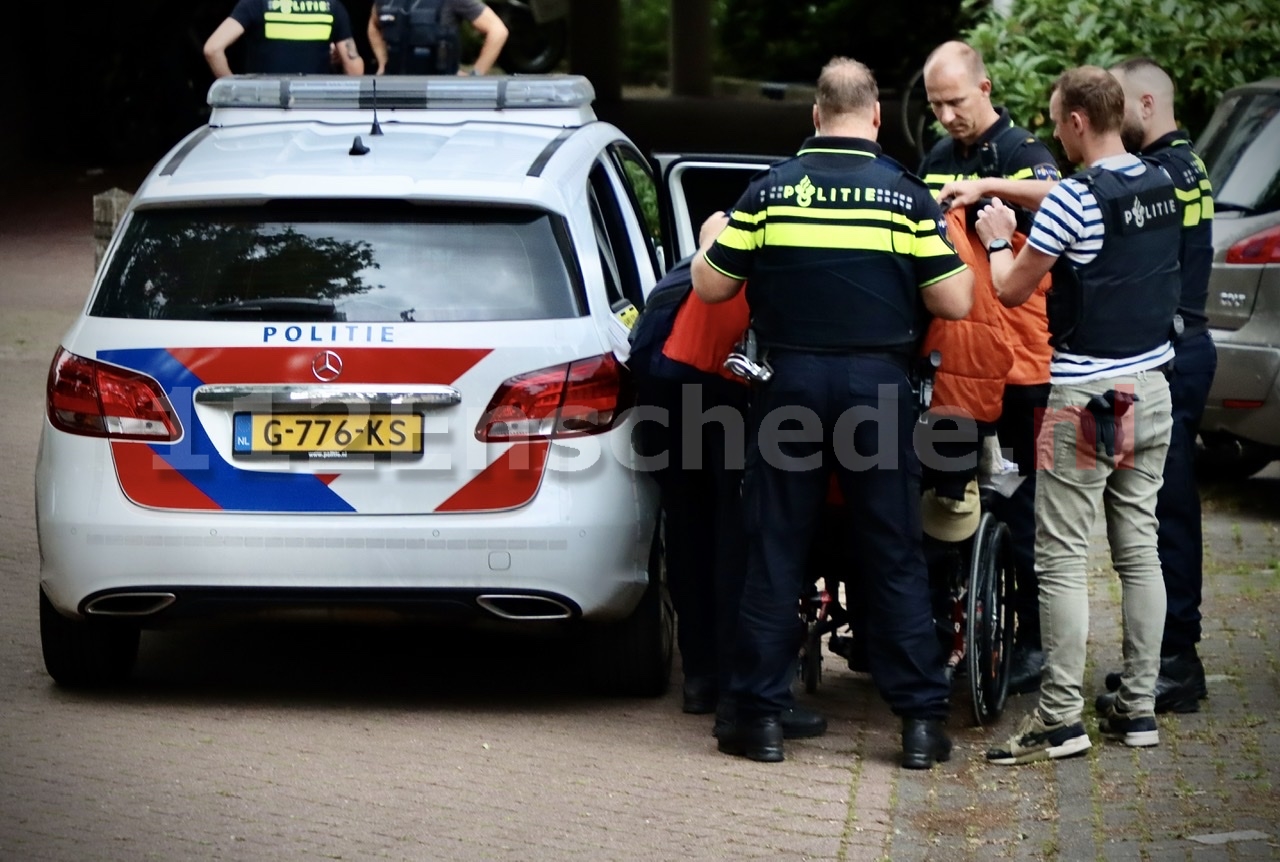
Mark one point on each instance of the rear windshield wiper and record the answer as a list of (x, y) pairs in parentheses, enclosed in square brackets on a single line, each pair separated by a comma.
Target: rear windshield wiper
[(1228, 207), (276, 308)]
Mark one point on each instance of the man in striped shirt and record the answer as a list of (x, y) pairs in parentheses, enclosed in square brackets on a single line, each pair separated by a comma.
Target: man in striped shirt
[(1109, 234)]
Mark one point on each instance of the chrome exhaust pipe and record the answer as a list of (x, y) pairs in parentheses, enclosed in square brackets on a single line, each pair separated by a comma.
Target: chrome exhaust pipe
[(129, 604), (517, 607)]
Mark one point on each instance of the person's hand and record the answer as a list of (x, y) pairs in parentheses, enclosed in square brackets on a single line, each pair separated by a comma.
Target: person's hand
[(960, 193), (996, 221), (712, 227)]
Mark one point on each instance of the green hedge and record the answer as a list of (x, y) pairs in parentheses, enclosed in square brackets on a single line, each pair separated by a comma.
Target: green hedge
[(1205, 47)]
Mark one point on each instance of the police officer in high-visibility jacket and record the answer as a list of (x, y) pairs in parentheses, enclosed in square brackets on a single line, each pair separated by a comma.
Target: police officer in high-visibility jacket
[(288, 37), (844, 253)]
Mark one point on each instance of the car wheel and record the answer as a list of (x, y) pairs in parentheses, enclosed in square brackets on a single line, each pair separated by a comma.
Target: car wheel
[(633, 657), (1222, 458), (86, 653)]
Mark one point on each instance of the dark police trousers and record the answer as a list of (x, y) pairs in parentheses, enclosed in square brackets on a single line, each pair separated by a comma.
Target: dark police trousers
[(1178, 504), (700, 489), (783, 499)]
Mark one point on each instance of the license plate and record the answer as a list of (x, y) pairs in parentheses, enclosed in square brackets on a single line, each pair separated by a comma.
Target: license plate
[(326, 434)]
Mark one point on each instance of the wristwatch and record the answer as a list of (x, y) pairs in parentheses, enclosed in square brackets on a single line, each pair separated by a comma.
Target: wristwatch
[(998, 245)]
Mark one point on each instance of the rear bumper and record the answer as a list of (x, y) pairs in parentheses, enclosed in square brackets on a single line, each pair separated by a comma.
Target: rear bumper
[(581, 545), (1244, 400)]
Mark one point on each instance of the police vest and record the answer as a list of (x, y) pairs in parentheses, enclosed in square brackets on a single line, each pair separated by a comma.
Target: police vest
[(1122, 302), (418, 42), (1196, 256), (856, 294)]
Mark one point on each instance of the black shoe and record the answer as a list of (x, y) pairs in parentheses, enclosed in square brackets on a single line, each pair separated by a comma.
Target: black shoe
[(1025, 667), (1179, 688), (924, 742), (798, 722), (700, 695), (758, 739)]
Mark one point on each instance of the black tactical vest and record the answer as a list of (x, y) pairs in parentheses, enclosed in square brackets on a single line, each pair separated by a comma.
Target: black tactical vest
[(418, 43), (1122, 302)]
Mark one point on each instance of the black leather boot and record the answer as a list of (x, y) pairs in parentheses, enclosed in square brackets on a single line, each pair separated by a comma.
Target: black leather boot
[(798, 722), (1180, 686), (699, 695), (757, 738), (924, 742)]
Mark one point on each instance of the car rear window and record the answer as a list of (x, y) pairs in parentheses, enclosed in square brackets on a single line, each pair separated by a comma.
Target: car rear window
[(1241, 148), (342, 260)]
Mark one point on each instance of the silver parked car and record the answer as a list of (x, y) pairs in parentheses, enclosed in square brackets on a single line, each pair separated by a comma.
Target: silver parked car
[(1241, 147)]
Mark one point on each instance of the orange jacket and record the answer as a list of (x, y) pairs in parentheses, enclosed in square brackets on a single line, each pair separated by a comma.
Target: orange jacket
[(976, 356), (703, 335), (1027, 326)]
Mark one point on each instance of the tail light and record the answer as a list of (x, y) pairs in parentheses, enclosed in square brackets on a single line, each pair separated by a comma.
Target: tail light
[(568, 400), (1260, 248), (98, 400)]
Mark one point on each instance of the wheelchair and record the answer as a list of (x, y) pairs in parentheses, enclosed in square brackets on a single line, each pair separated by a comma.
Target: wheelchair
[(972, 582)]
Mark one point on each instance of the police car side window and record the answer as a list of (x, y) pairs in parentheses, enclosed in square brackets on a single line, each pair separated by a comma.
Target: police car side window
[(643, 190), (624, 256), (608, 264)]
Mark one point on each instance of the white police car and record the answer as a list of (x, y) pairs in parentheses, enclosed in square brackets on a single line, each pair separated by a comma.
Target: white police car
[(353, 346)]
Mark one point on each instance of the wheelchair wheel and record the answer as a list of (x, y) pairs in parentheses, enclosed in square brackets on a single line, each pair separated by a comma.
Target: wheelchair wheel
[(988, 619)]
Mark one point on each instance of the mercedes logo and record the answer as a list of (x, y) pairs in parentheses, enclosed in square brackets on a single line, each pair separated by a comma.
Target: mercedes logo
[(327, 366)]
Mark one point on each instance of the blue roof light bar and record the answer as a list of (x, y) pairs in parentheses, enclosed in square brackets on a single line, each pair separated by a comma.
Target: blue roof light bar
[(490, 92)]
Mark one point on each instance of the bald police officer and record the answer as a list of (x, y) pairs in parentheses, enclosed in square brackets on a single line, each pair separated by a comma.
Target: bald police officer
[(843, 253)]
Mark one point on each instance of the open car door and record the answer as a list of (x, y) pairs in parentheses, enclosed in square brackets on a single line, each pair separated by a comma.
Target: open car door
[(694, 187)]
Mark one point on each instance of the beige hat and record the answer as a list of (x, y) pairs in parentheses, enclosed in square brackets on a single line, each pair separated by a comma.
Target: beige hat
[(949, 520)]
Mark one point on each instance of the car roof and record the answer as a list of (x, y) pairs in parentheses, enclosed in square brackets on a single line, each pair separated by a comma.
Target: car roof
[(1261, 86), (331, 136)]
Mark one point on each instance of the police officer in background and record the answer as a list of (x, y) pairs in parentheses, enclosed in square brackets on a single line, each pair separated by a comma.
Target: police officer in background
[(842, 252), (1109, 234), (983, 142), (421, 37), (1150, 130), (290, 37)]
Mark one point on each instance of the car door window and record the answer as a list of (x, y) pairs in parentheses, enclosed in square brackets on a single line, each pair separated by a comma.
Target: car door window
[(1242, 150), (642, 189), (608, 262), (624, 237)]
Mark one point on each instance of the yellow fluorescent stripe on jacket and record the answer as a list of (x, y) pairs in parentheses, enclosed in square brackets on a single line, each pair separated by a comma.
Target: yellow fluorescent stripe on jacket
[(1197, 205), (941, 277), (298, 32), (739, 239), (859, 238), (298, 27), (940, 180)]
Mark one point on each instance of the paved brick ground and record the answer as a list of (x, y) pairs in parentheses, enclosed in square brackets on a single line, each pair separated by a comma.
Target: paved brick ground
[(360, 743)]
